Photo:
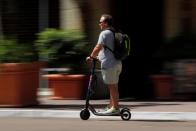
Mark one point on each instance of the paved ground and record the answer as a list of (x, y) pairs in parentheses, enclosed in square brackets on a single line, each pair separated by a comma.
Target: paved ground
[(141, 110), (64, 124)]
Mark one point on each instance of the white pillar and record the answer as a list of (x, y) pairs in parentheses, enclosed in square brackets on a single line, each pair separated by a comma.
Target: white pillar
[(70, 15)]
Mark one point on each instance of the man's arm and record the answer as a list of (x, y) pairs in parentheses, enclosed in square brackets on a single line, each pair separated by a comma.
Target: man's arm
[(95, 51)]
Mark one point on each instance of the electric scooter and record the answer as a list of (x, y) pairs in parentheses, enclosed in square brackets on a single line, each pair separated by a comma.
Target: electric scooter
[(124, 113)]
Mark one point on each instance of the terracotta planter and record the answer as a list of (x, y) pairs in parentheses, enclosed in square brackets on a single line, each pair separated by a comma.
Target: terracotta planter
[(67, 86), (18, 84), (162, 86)]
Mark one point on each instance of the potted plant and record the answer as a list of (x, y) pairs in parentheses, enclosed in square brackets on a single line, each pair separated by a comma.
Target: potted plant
[(19, 73), (65, 49)]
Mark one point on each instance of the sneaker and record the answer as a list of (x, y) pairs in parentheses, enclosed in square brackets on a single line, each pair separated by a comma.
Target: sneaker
[(106, 108), (111, 110)]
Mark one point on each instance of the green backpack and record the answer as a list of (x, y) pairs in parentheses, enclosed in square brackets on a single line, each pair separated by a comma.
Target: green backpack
[(121, 45)]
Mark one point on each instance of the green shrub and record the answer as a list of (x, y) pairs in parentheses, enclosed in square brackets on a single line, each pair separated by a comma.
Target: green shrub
[(63, 48), (12, 51)]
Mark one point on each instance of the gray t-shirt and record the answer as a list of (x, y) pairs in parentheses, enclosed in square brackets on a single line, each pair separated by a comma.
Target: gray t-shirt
[(106, 57)]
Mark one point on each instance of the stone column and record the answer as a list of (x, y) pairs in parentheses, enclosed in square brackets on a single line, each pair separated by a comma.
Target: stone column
[(83, 15), (70, 15)]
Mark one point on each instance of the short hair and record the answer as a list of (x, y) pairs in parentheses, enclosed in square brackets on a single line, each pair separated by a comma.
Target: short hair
[(108, 19)]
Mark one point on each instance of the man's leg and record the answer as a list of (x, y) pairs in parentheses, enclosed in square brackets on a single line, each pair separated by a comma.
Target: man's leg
[(114, 96)]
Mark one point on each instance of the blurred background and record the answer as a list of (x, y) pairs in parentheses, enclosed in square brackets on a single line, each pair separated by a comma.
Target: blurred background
[(162, 63)]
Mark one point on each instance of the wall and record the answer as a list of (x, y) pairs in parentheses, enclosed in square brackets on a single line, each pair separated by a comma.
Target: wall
[(171, 17)]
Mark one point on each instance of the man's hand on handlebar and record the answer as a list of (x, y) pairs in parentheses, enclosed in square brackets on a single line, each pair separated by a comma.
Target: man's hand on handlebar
[(90, 59)]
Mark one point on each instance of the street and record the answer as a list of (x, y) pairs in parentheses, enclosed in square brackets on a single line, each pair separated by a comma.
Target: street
[(76, 124)]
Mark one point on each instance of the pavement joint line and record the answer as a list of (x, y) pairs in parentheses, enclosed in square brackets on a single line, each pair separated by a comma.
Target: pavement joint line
[(136, 115)]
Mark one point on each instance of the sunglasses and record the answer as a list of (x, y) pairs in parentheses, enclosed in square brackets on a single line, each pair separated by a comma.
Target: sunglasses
[(101, 22)]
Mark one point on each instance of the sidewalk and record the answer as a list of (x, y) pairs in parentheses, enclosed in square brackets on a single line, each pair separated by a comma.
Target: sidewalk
[(141, 110)]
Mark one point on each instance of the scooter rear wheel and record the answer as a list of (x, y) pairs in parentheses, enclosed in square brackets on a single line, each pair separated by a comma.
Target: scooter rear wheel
[(84, 114), (125, 114)]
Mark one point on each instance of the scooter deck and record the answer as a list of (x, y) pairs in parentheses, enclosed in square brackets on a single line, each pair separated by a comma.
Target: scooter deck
[(106, 114), (102, 114)]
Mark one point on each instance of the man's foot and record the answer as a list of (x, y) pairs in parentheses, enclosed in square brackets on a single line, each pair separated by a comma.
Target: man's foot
[(112, 110), (107, 108), (104, 109)]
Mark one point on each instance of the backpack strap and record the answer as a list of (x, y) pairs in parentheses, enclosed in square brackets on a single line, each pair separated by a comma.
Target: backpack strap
[(108, 48), (113, 31)]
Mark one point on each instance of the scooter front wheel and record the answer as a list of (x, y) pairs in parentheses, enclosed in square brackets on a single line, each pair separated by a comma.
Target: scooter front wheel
[(84, 114), (125, 114)]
